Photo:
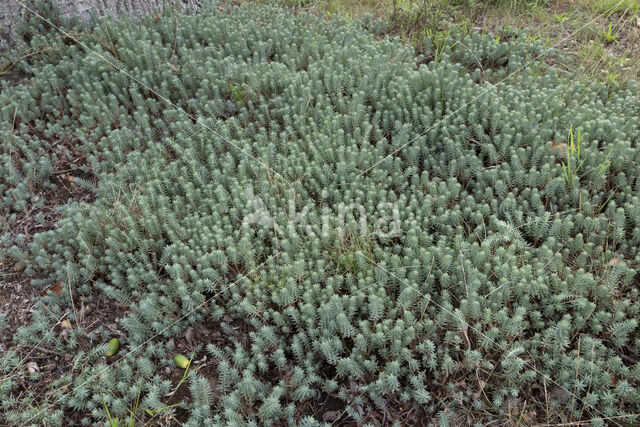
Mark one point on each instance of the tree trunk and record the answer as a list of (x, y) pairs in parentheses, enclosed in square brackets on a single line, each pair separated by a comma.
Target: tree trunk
[(10, 9)]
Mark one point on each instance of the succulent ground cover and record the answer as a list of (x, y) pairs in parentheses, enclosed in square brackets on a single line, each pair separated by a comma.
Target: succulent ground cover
[(289, 219), (603, 36)]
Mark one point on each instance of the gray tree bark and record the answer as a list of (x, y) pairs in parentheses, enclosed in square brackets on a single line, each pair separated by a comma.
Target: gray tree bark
[(10, 10)]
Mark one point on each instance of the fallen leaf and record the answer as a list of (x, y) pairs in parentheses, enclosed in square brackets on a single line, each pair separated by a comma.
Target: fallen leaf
[(560, 394), (330, 416), (57, 288), (613, 378), (82, 313), (513, 403), (113, 346), (188, 335), (556, 144)]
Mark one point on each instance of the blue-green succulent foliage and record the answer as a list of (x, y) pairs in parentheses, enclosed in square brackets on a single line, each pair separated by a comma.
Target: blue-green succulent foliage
[(345, 217)]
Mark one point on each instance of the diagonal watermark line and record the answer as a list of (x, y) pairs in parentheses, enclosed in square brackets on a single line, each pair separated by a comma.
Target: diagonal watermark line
[(120, 68), (480, 333), (196, 121), (243, 150), (451, 114), (140, 346)]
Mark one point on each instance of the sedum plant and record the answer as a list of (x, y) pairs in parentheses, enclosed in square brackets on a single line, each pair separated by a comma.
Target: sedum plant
[(349, 220)]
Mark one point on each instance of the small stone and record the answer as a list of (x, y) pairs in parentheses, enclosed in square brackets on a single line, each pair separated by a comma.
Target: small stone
[(32, 367)]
